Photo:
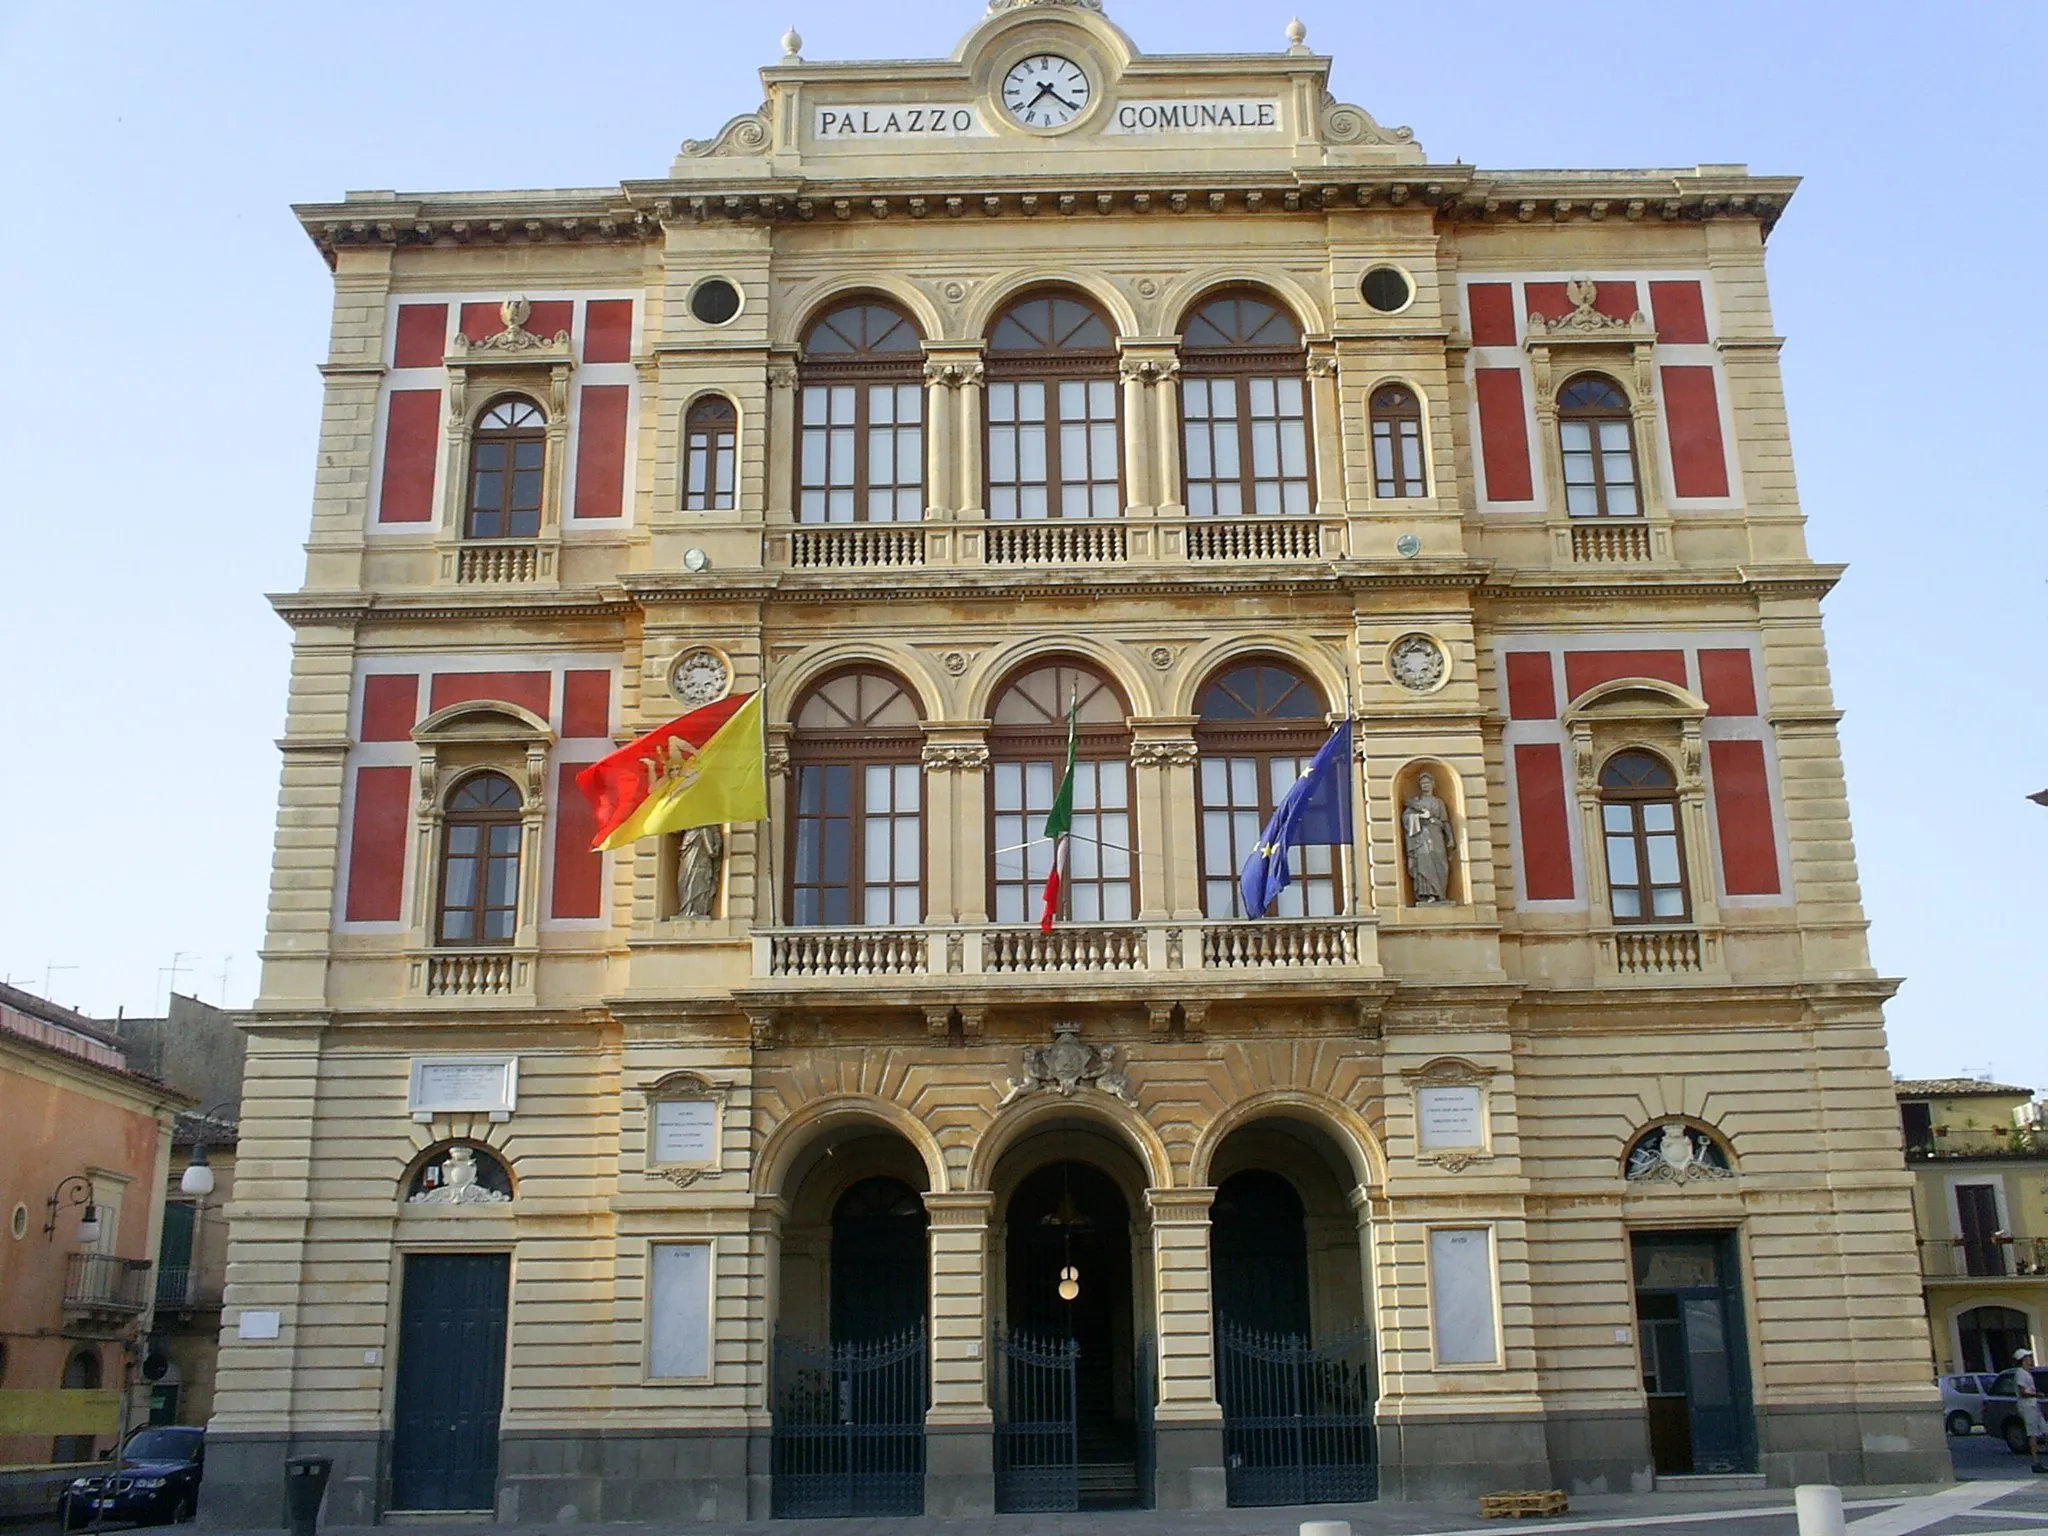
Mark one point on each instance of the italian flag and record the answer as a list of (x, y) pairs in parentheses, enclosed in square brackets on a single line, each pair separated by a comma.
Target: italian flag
[(1059, 825)]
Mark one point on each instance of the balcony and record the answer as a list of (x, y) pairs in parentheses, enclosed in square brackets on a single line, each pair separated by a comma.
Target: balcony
[(497, 563), (1257, 539), (857, 547), (182, 1288), (103, 1294), (1958, 1259), (1071, 541), (471, 975), (1110, 953), (1616, 542)]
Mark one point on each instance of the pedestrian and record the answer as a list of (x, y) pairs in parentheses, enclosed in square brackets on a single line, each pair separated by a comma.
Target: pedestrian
[(2029, 1393)]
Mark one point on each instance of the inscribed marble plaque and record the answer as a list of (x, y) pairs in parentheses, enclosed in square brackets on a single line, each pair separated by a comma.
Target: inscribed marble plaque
[(1461, 1296), (452, 1084), (1451, 1116), (685, 1131), (679, 1310)]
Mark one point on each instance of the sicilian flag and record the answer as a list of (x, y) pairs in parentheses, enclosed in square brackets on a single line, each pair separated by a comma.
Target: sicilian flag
[(1059, 824), (702, 770), (1316, 810)]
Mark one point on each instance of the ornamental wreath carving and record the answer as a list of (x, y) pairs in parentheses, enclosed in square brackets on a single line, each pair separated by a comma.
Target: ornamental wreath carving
[(1067, 1066), (1676, 1153)]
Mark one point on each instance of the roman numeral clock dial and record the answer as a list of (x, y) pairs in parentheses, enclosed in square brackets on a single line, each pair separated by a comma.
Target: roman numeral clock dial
[(1045, 91)]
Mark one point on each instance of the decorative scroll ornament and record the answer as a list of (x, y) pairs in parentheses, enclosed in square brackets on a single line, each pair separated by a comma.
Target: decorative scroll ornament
[(1676, 1153), (944, 757), (1163, 754), (682, 1178), (1585, 320), (515, 338), (1067, 1066), (458, 1184), (747, 134), (1345, 124)]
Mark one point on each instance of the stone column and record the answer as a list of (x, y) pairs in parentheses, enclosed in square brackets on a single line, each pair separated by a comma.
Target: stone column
[(1163, 757), (939, 445), (1137, 438), (1326, 428), (959, 1476), (1188, 1422), (1166, 433), (955, 758), (781, 466)]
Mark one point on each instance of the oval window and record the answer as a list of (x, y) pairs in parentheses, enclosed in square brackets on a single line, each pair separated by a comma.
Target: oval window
[(1387, 289), (714, 301)]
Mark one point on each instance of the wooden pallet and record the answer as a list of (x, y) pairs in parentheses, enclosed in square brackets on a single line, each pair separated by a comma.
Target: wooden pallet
[(1544, 1501)]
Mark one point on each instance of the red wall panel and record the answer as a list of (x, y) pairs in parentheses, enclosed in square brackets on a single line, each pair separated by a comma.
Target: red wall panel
[(601, 451), (548, 317), (376, 848), (1680, 311), (422, 336), (1493, 314), (1728, 682), (1693, 418), (1742, 814), (587, 704), (579, 873), (391, 702), (1589, 669), (1546, 834), (608, 331), (1532, 695), (1503, 434), (412, 442), (529, 690)]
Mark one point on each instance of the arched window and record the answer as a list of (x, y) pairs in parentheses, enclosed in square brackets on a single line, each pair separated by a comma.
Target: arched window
[(507, 453), (710, 452), (1244, 410), (1645, 850), (480, 862), (1598, 440), (1260, 724), (1028, 754), (1053, 444), (860, 448), (857, 809), (1396, 443)]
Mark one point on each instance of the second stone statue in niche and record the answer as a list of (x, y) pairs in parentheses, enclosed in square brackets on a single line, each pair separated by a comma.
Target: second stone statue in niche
[(697, 871), (1429, 840)]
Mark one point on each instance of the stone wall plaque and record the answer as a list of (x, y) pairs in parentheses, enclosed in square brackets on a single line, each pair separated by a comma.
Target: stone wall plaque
[(464, 1085), (679, 1310), (1461, 1296), (684, 1131), (1450, 1116)]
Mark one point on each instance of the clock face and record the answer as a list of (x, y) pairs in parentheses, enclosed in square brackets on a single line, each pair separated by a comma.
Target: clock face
[(1045, 91)]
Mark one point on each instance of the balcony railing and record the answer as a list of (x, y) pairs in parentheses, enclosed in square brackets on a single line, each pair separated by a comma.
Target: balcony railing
[(1658, 951), (471, 973), (1610, 543), (1102, 949), (1960, 1259), (494, 564), (105, 1282), (1075, 541), (1254, 538), (857, 547)]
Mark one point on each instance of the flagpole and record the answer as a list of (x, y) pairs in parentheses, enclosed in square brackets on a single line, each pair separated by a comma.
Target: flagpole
[(1363, 823), (766, 834)]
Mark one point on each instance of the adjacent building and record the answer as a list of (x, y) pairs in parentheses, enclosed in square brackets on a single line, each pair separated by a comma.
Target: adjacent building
[(1056, 391)]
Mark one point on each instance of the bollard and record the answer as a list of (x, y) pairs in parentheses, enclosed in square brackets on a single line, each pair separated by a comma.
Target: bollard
[(305, 1484), (1820, 1510), (1326, 1528)]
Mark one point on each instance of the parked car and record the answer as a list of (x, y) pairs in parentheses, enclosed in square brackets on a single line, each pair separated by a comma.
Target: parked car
[(2002, 1411), (154, 1480), (1962, 1400)]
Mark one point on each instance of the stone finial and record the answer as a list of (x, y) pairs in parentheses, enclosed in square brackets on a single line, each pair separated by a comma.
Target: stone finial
[(792, 47), (1297, 36)]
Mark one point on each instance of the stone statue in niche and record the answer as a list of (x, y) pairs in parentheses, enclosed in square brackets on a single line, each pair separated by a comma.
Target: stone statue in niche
[(458, 1184), (703, 855), (1428, 840)]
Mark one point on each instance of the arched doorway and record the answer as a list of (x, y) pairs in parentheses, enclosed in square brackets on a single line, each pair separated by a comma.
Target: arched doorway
[(81, 1372), (1988, 1336), (851, 1372), (1073, 1383), (1295, 1365)]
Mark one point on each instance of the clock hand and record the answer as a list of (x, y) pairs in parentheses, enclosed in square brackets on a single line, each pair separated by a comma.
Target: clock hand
[(1056, 96)]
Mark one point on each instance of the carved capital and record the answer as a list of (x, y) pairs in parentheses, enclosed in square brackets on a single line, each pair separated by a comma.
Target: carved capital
[(1148, 370), (782, 376), (947, 757), (1163, 754), (953, 375), (1322, 365)]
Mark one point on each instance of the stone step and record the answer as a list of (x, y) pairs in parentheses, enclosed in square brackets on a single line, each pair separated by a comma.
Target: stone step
[(1708, 1482)]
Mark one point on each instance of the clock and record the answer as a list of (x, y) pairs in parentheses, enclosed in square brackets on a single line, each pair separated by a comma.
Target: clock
[(1045, 91)]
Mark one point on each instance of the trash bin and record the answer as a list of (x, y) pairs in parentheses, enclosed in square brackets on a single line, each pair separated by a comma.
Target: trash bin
[(305, 1485)]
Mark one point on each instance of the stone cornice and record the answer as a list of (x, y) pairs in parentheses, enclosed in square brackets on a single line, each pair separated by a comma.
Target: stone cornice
[(640, 210), (1778, 582), (309, 610)]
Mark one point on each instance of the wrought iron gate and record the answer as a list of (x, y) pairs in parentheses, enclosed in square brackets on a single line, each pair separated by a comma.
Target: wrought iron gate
[(1297, 1417), (1038, 1447), (849, 1427), (1145, 1392)]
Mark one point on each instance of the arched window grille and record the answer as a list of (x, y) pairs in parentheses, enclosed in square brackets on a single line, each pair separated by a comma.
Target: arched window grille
[(1054, 449), (710, 454), (857, 804), (479, 886), (1598, 442), (1645, 847), (860, 413), (1261, 723), (507, 457), (1244, 410), (1397, 443), (1028, 751)]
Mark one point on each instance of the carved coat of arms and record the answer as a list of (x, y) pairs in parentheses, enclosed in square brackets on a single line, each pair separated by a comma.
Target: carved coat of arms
[(1067, 1066)]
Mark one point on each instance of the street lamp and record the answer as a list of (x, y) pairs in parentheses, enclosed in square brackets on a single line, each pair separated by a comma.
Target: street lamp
[(65, 1194), (197, 1178)]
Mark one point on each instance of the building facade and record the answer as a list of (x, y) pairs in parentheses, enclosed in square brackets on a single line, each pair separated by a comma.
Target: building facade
[(1541, 1135), (1980, 1211)]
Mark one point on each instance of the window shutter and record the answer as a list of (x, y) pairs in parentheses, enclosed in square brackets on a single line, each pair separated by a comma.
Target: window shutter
[(1503, 434), (412, 440), (376, 852)]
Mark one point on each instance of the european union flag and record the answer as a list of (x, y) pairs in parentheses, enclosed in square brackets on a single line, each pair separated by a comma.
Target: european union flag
[(1316, 810)]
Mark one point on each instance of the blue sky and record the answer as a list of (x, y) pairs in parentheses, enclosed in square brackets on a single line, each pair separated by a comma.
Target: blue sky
[(164, 316)]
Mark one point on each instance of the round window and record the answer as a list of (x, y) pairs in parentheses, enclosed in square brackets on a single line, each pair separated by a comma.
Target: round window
[(714, 301), (18, 1225), (1387, 290)]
